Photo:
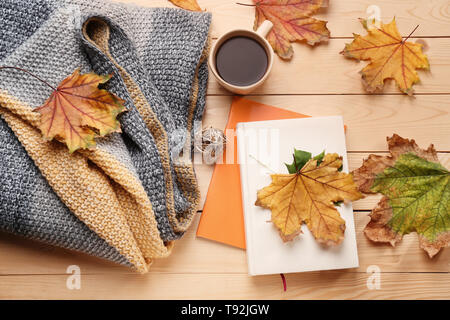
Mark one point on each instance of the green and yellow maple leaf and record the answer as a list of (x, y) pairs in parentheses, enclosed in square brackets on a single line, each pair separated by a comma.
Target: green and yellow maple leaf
[(416, 189)]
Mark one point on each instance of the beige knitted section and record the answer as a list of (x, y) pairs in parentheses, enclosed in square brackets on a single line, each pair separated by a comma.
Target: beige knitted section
[(137, 207), (95, 186), (97, 32)]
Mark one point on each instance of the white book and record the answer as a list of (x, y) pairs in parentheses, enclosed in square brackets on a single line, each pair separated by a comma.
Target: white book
[(263, 148)]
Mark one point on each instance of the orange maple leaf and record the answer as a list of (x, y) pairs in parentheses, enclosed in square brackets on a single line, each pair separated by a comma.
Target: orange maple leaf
[(78, 111), (390, 57), (291, 22), (191, 5)]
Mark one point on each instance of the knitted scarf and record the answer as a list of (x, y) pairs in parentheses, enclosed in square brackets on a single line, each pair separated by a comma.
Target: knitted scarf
[(128, 199)]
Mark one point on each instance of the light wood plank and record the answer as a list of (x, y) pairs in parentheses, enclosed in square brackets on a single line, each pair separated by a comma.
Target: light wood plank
[(369, 119), (322, 70), (316, 285), (197, 255), (342, 16), (406, 257), (32, 270)]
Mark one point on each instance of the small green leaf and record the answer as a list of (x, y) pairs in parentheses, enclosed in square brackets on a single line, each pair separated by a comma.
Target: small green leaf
[(301, 158), (319, 158), (291, 168)]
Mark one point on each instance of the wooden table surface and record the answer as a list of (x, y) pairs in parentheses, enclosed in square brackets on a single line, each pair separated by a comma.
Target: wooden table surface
[(319, 82)]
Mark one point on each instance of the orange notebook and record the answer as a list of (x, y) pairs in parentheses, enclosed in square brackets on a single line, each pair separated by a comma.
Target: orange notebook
[(222, 219)]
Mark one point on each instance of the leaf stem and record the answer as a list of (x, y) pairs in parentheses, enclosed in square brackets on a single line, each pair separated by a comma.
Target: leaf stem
[(31, 74), (246, 4), (262, 163), (406, 39)]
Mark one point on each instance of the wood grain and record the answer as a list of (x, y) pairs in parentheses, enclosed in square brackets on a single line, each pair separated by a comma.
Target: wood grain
[(314, 285), (197, 255), (355, 161), (370, 119), (323, 70)]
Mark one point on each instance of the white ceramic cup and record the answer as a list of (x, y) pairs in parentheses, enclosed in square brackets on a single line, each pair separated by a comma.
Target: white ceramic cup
[(260, 36)]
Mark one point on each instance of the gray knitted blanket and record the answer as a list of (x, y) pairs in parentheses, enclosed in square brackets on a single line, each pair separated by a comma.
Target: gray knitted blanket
[(131, 197)]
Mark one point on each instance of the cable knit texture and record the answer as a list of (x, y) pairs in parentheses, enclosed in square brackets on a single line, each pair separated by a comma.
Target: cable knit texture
[(128, 199)]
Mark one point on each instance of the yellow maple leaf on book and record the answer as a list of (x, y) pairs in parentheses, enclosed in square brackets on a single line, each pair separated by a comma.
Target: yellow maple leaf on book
[(309, 194)]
